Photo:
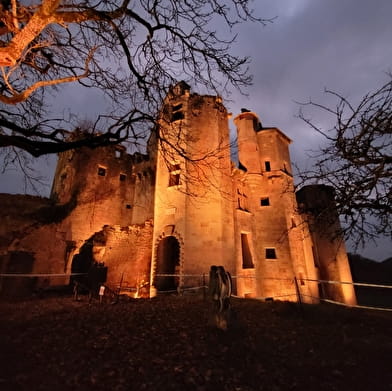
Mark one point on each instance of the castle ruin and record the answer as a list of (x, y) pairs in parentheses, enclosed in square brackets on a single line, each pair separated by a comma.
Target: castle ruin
[(161, 219)]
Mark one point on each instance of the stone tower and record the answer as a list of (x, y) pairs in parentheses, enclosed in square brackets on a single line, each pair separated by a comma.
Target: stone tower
[(193, 213), (316, 202), (269, 253)]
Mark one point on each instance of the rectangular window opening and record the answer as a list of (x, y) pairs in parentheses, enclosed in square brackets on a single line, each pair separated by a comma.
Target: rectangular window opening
[(242, 199), (174, 180), (267, 166), (270, 253), (177, 116), (177, 113), (174, 174), (101, 171), (264, 201), (122, 177), (247, 262), (118, 154), (175, 167), (177, 107)]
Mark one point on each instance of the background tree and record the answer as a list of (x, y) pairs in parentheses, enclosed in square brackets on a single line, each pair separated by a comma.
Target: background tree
[(357, 162), (131, 51)]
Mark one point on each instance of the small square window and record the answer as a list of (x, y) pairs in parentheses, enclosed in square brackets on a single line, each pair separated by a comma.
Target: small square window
[(118, 153), (177, 107), (174, 180), (270, 253), (267, 166), (264, 201), (128, 206), (177, 116), (101, 171), (123, 177), (174, 167)]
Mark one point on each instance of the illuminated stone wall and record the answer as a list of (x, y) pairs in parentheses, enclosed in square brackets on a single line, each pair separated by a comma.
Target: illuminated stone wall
[(100, 181), (30, 241), (318, 208), (265, 213), (279, 246), (178, 209), (198, 208)]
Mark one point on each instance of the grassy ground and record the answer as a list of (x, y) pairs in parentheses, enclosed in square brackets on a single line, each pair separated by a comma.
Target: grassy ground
[(168, 343)]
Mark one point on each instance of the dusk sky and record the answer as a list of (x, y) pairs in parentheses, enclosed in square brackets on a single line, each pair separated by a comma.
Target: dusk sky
[(342, 45)]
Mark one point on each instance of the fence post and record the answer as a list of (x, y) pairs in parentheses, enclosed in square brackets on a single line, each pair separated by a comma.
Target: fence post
[(204, 287), (119, 289), (297, 290)]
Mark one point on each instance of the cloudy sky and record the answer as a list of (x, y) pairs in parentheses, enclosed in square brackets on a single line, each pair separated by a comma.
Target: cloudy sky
[(342, 45)]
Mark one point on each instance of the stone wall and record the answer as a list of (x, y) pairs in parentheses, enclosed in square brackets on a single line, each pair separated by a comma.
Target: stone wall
[(318, 208), (30, 242), (127, 254), (178, 210)]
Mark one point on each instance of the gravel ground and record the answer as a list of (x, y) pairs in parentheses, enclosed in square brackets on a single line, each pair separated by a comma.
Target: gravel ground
[(169, 343)]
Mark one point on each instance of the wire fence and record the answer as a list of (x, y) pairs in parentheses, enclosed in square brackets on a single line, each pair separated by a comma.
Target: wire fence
[(299, 295), (369, 296)]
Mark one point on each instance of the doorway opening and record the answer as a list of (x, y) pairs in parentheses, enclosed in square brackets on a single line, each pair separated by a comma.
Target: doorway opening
[(168, 262), (81, 263)]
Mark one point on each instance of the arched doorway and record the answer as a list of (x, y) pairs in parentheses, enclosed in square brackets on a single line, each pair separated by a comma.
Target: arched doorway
[(168, 262)]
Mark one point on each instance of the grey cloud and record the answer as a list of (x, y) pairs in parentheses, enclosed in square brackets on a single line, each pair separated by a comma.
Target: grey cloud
[(344, 45)]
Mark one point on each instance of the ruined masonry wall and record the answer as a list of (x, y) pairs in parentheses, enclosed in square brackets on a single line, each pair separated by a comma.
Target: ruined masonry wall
[(101, 179), (128, 254), (125, 206), (26, 233)]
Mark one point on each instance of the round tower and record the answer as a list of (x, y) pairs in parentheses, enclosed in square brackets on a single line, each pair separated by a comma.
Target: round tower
[(317, 204), (193, 203)]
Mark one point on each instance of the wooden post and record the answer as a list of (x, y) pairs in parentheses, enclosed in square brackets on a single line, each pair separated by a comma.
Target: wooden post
[(299, 298), (204, 287), (119, 289)]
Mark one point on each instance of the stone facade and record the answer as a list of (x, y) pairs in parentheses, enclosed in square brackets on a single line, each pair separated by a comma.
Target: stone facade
[(180, 208)]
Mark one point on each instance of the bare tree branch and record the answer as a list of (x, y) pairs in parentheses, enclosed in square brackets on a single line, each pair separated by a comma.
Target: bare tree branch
[(357, 162), (130, 51)]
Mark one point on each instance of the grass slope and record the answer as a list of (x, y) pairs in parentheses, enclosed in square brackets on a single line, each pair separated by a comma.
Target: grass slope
[(168, 343)]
